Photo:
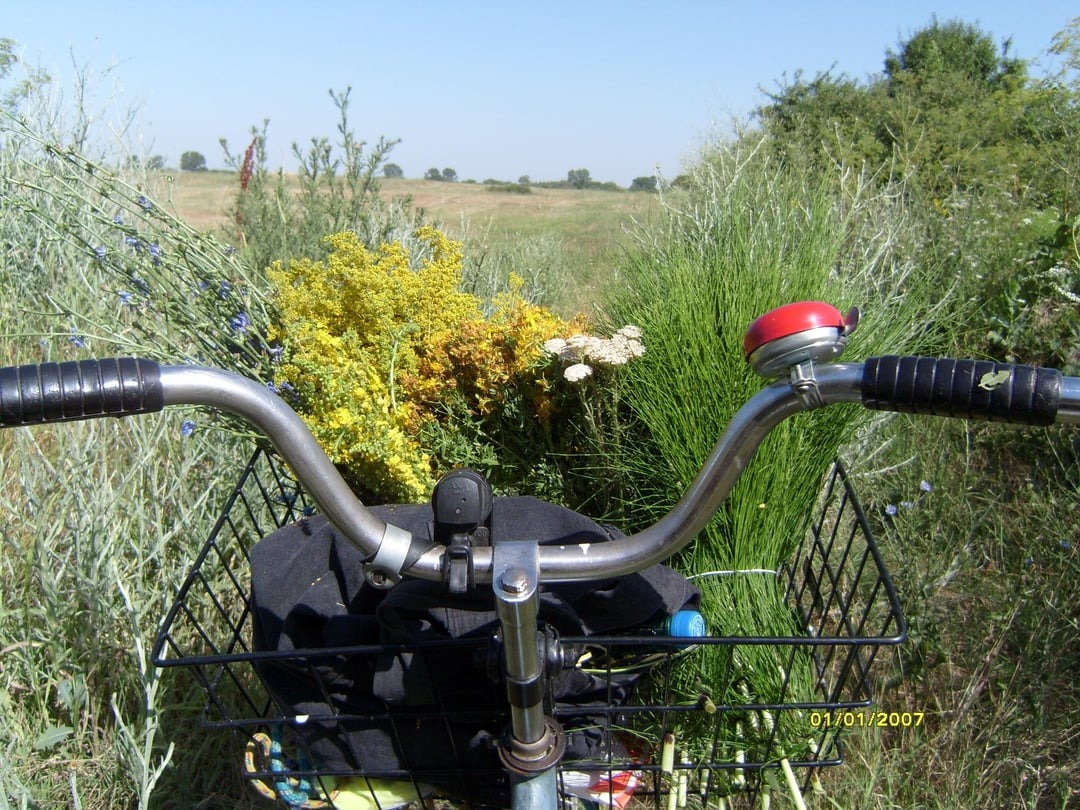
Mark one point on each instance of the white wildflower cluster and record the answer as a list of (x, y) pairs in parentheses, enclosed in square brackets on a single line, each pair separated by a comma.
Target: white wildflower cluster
[(582, 353), (1059, 278)]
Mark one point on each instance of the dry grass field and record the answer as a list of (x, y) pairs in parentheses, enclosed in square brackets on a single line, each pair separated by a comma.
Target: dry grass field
[(582, 231), (203, 198)]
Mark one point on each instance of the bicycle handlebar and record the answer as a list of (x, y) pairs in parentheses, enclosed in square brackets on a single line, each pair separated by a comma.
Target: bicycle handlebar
[(971, 389)]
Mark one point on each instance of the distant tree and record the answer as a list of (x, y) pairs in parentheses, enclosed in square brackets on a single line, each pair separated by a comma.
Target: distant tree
[(155, 163), (812, 119), (449, 175), (524, 180), (644, 183), (578, 178), (392, 170), (433, 174), (192, 162)]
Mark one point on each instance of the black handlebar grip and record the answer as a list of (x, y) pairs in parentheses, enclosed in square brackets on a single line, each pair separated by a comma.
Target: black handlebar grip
[(968, 389), (83, 389)]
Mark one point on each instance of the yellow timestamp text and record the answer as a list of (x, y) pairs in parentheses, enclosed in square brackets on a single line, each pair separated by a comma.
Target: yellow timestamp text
[(860, 719)]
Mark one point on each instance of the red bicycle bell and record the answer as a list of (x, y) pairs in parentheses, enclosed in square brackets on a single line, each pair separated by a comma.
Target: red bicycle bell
[(795, 333)]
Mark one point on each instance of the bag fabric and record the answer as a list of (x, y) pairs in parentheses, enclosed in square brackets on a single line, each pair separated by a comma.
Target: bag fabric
[(405, 680)]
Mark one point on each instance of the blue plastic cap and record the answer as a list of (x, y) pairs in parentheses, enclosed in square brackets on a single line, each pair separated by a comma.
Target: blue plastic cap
[(687, 624)]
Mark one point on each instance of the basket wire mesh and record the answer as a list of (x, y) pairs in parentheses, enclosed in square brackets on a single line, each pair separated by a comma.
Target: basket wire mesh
[(651, 741)]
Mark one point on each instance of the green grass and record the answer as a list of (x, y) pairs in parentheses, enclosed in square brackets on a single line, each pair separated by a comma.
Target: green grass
[(986, 565), (87, 573), (100, 519), (748, 236)]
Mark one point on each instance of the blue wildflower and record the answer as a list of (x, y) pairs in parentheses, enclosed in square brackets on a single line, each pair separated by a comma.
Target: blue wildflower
[(99, 251), (144, 202), (118, 220), (271, 387), (924, 486), (132, 241), (224, 289), (187, 427), (230, 250), (126, 298), (275, 353), (1064, 544), (76, 340), (287, 498), (285, 388), (155, 253), (891, 510), (1029, 561), (240, 322), (141, 285)]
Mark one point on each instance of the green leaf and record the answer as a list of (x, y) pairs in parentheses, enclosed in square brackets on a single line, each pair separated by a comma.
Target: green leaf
[(52, 737), (992, 380), (73, 693)]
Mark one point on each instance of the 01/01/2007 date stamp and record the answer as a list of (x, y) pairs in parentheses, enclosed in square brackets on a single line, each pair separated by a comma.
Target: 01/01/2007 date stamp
[(866, 719)]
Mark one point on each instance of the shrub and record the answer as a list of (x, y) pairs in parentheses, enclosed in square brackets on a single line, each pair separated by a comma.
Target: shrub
[(111, 511), (508, 188)]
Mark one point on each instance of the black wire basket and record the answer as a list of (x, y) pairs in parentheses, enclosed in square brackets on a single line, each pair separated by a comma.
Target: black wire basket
[(664, 721)]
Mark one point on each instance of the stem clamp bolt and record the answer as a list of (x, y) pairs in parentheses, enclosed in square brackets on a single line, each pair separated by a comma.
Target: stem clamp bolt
[(514, 581)]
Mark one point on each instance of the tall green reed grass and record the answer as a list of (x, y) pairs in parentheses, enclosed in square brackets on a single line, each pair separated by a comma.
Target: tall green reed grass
[(751, 234)]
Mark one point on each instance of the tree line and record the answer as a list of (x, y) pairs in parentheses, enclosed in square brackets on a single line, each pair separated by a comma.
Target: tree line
[(953, 110)]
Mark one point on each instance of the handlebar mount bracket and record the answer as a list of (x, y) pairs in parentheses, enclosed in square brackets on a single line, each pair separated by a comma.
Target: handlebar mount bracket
[(384, 569)]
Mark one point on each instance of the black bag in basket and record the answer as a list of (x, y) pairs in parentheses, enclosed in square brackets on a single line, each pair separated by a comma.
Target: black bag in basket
[(434, 712)]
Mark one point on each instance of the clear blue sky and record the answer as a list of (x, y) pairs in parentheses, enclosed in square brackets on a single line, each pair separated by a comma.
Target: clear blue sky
[(490, 89)]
